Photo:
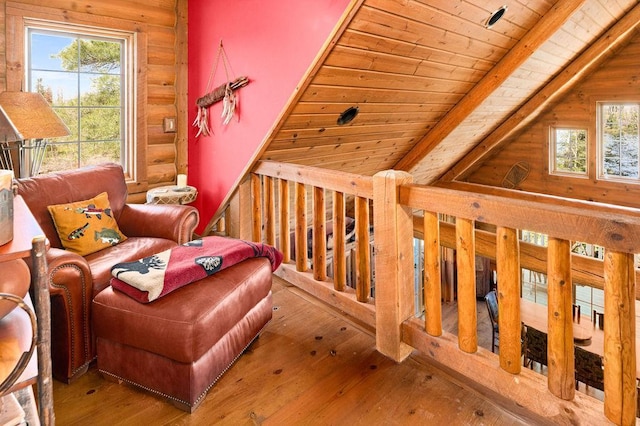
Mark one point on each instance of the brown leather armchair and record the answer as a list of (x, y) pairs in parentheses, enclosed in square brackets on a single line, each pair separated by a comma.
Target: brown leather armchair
[(75, 280)]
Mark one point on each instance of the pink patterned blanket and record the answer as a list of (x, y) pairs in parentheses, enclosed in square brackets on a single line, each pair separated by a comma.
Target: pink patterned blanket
[(155, 276)]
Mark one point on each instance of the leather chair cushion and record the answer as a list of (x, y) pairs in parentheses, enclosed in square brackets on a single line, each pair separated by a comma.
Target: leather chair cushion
[(185, 324)]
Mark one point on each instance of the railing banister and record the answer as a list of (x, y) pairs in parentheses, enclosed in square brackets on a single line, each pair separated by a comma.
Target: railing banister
[(509, 324), (466, 266), (393, 234), (432, 275), (270, 210), (560, 320), (285, 226), (363, 256), (339, 257), (301, 227), (256, 208), (620, 391), (319, 235)]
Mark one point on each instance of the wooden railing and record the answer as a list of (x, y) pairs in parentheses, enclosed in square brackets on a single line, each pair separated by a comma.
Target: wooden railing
[(397, 204)]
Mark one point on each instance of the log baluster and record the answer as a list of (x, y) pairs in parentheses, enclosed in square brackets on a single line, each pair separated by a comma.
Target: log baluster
[(301, 227), (256, 208), (466, 265), (560, 320), (363, 251), (285, 227), (620, 391), (319, 235), (509, 324), (269, 210), (432, 275), (339, 256)]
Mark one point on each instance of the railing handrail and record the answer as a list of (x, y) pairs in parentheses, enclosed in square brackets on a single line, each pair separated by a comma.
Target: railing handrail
[(604, 225)]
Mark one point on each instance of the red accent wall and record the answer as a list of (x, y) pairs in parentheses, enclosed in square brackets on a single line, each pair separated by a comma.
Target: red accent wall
[(271, 42)]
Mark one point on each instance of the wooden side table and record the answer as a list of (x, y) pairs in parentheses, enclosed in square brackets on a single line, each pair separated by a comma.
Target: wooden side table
[(172, 194), (29, 240)]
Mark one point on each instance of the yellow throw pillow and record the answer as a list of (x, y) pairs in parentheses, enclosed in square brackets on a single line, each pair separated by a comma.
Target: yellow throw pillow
[(85, 227)]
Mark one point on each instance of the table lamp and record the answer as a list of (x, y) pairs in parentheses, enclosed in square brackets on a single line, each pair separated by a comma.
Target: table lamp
[(26, 121)]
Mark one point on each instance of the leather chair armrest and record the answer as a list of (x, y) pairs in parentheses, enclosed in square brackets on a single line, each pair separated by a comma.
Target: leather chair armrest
[(170, 221), (71, 288)]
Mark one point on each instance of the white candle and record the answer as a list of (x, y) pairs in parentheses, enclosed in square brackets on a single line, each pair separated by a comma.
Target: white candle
[(182, 181)]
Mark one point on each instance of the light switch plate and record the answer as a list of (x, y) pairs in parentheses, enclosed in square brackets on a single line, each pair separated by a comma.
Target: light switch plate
[(169, 125)]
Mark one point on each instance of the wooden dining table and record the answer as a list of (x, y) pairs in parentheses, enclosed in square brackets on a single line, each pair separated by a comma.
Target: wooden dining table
[(585, 333), (535, 315)]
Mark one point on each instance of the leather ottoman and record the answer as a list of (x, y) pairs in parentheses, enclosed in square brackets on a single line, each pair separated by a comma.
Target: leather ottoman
[(179, 345)]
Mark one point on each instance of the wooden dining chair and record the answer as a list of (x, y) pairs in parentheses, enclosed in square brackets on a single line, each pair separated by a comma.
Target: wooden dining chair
[(535, 347), (491, 300), (589, 368)]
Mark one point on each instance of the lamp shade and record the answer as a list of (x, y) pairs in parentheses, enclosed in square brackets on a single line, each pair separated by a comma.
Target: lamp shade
[(27, 115)]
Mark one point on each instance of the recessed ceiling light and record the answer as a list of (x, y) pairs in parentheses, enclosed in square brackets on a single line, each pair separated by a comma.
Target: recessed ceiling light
[(496, 16), (348, 115)]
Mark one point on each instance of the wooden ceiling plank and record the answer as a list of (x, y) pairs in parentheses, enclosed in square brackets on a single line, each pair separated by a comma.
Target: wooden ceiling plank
[(598, 52), (540, 33)]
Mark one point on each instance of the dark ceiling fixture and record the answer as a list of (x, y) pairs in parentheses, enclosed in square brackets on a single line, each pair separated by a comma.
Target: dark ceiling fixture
[(496, 16), (347, 115)]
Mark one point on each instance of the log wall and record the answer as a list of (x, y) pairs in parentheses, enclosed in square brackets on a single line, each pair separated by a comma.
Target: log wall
[(615, 80), (162, 24)]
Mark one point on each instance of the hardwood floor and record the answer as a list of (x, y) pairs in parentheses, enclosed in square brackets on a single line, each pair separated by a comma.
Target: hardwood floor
[(311, 366)]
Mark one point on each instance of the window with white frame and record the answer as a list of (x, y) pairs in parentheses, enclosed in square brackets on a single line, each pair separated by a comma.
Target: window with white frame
[(568, 149), (87, 75), (618, 140)]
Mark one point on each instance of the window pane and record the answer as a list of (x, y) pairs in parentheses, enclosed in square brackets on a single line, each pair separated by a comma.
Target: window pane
[(62, 156), (570, 150), (80, 74), (99, 124), (92, 153), (620, 140)]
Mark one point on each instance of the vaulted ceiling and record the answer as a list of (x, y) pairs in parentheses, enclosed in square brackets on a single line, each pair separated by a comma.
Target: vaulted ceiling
[(436, 88)]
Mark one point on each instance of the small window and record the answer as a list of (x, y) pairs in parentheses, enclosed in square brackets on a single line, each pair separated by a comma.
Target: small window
[(86, 76), (568, 150), (618, 140)]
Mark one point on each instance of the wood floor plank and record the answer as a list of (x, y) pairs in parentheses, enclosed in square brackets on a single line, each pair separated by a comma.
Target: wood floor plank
[(311, 366)]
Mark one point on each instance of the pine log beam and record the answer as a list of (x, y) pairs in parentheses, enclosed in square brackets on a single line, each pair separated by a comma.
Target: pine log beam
[(508, 263), (466, 266), (560, 320), (432, 275)]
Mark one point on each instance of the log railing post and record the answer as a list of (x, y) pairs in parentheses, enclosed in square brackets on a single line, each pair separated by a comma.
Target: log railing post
[(393, 237), (244, 211), (560, 320), (432, 275), (508, 265), (466, 266), (620, 391), (319, 235), (339, 257)]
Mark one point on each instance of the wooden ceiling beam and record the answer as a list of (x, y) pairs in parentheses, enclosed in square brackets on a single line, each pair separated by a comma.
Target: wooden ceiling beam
[(588, 61), (540, 33)]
